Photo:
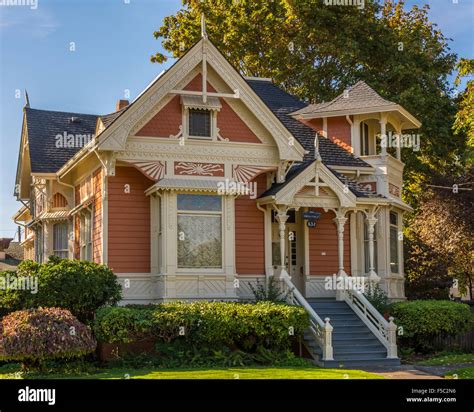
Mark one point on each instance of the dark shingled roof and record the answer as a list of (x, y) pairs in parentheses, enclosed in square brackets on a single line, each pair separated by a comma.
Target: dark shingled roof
[(282, 104), (356, 188), (107, 119), (360, 95), (43, 127)]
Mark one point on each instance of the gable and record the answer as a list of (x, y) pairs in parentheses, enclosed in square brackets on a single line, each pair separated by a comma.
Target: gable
[(170, 84), (167, 122)]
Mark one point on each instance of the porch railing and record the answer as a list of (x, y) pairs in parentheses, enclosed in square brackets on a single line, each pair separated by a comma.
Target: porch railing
[(321, 331), (383, 330)]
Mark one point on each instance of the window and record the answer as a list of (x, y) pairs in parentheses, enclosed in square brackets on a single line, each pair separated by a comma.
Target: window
[(85, 235), (364, 139), (366, 248), (394, 242), (39, 245), (60, 240), (199, 123), (199, 231)]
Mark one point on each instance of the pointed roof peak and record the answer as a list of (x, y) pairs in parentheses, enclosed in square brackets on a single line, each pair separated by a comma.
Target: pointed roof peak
[(358, 96)]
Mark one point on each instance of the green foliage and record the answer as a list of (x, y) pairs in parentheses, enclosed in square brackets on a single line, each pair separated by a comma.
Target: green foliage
[(316, 52), (79, 286), (246, 327), (423, 320), (271, 294), (35, 335), (378, 298), (440, 241)]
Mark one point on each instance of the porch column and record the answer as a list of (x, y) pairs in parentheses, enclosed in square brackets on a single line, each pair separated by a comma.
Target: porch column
[(282, 217), (399, 137), (371, 221), (340, 221), (383, 134)]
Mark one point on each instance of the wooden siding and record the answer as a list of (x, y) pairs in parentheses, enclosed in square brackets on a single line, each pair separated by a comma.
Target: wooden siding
[(250, 233), (167, 121), (97, 217), (232, 127), (323, 239), (339, 131), (58, 201), (128, 222)]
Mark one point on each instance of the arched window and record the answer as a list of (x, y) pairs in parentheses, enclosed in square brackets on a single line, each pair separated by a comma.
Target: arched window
[(58, 201)]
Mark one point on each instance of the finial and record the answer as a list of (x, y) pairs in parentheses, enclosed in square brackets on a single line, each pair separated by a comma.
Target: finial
[(203, 26), (27, 104), (317, 156)]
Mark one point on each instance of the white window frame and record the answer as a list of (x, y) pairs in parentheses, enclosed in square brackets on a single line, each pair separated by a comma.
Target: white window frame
[(60, 252), (86, 234), (213, 125), (397, 227), (220, 213)]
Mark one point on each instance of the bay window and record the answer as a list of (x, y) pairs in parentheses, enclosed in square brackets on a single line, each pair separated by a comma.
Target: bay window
[(199, 231)]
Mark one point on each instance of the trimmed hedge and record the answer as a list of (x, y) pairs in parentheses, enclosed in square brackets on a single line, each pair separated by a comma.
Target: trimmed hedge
[(422, 320), (79, 286), (211, 324), (35, 335)]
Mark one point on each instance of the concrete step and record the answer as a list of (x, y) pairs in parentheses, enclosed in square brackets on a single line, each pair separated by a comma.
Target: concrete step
[(344, 364)]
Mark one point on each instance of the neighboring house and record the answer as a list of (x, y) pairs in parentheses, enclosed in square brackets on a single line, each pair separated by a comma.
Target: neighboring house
[(151, 194)]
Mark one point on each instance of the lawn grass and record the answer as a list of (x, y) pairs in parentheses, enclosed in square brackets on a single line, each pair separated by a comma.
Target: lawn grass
[(446, 359), (464, 373), (299, 372)]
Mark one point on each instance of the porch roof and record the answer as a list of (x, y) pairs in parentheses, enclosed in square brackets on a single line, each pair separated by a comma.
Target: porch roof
[(169, 183), (357, 189)]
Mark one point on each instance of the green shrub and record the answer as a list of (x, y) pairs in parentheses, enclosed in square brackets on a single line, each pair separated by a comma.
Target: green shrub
[(423, 320), (35, 335), (272, 293), (378, 298), (238, 326), (79, 286)]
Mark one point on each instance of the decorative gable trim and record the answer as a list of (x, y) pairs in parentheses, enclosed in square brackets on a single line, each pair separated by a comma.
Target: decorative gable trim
[(115, 137)]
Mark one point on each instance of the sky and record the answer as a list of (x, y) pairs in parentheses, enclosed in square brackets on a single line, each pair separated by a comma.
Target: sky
[(83, 55)]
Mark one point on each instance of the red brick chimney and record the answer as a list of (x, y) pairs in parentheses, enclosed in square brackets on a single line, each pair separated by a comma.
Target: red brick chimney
[(121, 104)]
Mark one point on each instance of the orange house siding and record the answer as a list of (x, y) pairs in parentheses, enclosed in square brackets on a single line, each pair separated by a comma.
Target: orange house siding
[(339, 131), (167, 121), (58, 200), (250, 233), (323, 240), (97, 217), (128, 222)]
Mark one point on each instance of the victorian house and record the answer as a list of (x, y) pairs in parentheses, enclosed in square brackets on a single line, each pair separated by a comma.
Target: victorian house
[(209, 181)]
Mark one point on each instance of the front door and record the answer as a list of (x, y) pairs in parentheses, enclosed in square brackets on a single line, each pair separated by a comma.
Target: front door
[(294, 261)]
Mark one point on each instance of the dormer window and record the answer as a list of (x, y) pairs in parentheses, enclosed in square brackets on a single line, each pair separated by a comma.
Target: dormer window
[(199, 123)]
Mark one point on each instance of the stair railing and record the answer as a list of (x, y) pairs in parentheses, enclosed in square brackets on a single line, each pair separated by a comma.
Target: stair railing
[(383, 330), (321, 331)]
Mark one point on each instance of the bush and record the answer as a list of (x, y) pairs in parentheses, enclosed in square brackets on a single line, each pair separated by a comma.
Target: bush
[(272, 293), (378, 298), (35, 335), (79, 286), (423, 320), (240, 326)]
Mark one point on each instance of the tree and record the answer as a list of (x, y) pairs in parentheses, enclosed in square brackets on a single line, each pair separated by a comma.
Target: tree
[(440, 245), (464, 123), (316, 51)]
